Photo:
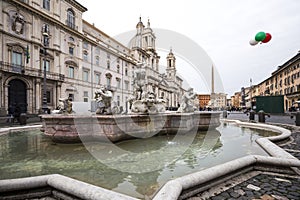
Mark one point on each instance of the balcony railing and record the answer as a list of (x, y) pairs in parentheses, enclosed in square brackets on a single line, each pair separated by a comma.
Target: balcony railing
[(19, 69)]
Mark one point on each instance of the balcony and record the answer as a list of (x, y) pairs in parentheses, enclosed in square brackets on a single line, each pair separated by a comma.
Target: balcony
[(26, 71)]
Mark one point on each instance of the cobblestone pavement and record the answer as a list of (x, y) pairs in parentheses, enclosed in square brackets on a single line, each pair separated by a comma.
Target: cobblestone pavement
[(263, 185)]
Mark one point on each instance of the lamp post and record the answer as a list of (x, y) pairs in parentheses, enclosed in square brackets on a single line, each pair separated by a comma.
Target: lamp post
[(45, 44)]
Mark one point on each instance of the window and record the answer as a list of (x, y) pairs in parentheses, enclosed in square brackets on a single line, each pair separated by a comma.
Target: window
[(118, 100), (126, 72), (71, 51), (16, 58), (108, 56), (85, 75), (97, 60), (85, 56), (108, 64), (85, 96), (108, 81), (17, 62), (48, 96), (71, 72), (46, 65), (97, 78), (85, 45), (118, 83), (70, 19), (46, 4)]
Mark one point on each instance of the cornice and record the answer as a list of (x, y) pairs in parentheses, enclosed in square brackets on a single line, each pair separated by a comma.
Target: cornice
[(77, 5)]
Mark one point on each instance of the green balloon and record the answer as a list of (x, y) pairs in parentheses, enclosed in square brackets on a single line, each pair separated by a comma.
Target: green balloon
[(260, 36)]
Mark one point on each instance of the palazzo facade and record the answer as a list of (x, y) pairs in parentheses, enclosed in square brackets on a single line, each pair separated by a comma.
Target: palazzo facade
[(38, 36)]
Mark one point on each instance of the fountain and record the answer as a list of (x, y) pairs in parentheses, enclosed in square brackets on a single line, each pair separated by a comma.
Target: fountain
[(147, 117)]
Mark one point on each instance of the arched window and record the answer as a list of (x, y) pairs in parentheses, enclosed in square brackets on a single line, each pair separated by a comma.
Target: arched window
[(71, 18)]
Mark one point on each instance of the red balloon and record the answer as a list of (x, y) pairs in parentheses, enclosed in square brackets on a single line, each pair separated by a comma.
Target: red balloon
[(268, 38)]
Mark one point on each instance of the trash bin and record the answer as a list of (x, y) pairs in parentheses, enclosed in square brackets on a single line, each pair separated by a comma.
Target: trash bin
[(23, 118), (251, 115)]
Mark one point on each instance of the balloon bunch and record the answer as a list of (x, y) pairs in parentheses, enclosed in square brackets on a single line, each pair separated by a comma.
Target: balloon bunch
[(261, 37)]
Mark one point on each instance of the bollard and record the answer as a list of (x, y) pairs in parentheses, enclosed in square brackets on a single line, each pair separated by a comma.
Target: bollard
[(23, 118), (251, 115), (297, 121), (224, 113), (261, 116)]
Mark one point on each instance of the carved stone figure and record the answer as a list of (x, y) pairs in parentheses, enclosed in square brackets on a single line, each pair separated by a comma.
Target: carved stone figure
[(104, 99), (187, 102), (143, 101), (139, 84), (64, 106)]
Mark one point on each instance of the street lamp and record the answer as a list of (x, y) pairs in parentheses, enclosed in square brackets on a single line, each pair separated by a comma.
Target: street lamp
[(45, 45)]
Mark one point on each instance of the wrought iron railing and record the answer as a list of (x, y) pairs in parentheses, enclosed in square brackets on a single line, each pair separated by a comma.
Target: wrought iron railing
[(20, 69)]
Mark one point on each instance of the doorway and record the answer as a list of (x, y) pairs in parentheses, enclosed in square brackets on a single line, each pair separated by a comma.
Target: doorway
[(17, 95)]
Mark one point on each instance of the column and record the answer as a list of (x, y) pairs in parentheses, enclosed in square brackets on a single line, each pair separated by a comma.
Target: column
[(38, 96), (58, 92)]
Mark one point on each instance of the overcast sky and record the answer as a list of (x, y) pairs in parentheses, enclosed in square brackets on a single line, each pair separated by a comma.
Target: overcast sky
[(223, 28)]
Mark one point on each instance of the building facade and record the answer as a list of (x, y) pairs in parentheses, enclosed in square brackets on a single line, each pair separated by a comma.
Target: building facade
[(204, 100), (48, 51), (165, 85)]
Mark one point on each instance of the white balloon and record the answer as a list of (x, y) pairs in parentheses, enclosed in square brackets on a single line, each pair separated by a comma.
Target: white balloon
[(253, 42)]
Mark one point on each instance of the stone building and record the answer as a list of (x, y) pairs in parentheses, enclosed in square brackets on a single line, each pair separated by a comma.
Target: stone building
[(285, 80), (27, 28), (40, 36)]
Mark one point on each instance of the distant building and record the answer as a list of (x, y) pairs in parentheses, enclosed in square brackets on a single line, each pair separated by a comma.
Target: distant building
[(203, 100), (218, 100)]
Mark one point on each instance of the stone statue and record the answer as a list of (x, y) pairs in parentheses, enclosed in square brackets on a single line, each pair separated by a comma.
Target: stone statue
[(69, 105), (139, 84), (143, 101), (64, 106), (187, 102), (104, 98)]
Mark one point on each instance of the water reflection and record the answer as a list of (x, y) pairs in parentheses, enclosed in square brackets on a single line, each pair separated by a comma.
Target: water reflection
[(25, 154)]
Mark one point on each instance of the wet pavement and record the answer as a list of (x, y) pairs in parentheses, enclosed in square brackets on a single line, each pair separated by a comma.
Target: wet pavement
[(263, 185)]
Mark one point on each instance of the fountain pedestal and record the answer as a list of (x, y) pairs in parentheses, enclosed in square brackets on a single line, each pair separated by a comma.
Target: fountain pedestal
[(114, 128)]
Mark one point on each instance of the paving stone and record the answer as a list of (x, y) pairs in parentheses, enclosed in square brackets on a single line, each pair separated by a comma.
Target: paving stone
[(253, 187), (239, 191), (234, 194), (267, 197), (283, 180), (278, 197)]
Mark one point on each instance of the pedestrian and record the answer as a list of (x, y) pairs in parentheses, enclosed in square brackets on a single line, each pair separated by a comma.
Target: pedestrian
[(17, 113), (10, 116)]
